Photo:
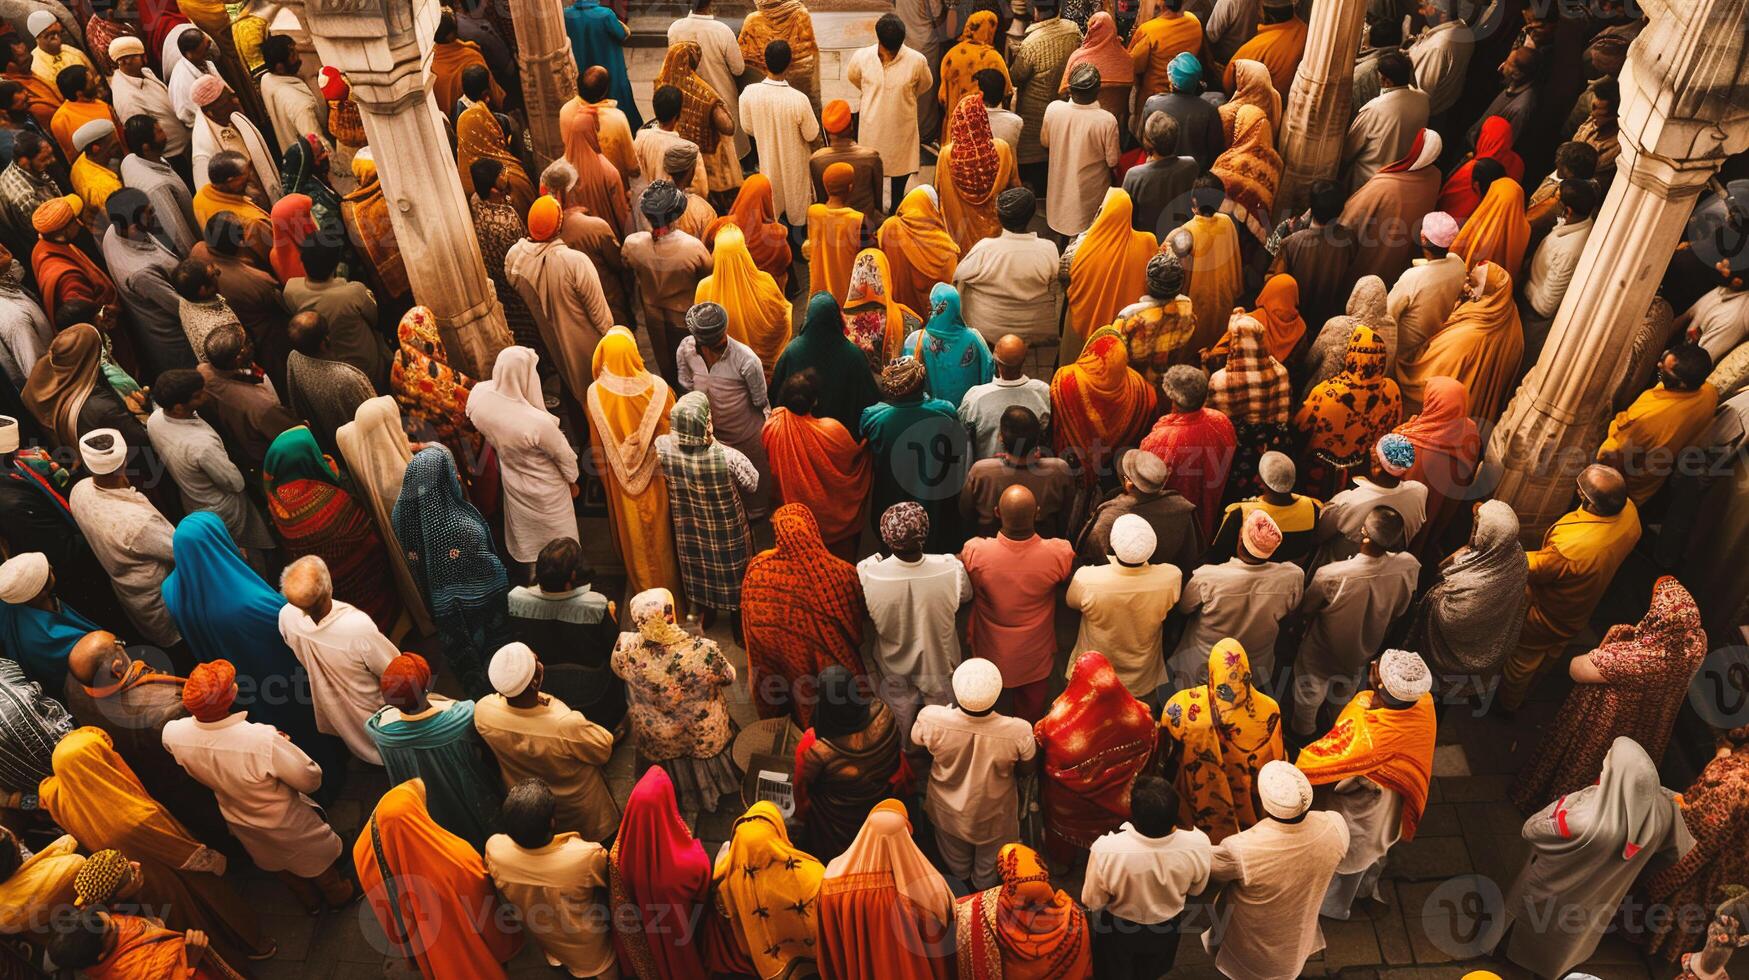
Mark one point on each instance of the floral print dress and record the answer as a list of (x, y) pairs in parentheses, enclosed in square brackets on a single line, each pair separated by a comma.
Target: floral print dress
[(679, 718)]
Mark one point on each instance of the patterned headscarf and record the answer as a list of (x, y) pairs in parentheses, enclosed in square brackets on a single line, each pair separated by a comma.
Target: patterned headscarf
[(1253, 387), (1347, 414), (690, 420), (101, 876), (974, 149), (652, 615), (901, 378), (698, 101), (904, 523)]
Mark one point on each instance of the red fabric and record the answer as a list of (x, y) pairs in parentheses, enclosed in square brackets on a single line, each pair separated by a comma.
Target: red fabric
[(407, 675), (1096, 739), (1410, 157), (660, 877), (818, 463), (1458, 197), (317, 518), (292, 223), (63, 273), (1198, 448), (210, 690)]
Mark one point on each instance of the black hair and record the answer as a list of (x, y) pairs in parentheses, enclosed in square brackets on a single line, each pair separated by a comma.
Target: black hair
[(79, 944), (1327, 198), (224, 345), (593, 87), (1396, 68), (139, 129), (1153, 806), (177, 386), (189, 278), (484, 173), (307, 334), (890, 31), (1018, 430), (223, 233), (558, 564), (1578, 159), (1385, 527), (777, 57), (72, 81), (1609, 90), (279, 49), (1581, 195), (528, 813), (800, 392), (1693, 364), (476, 82), (226, 165), (1486, 171), (320, 258), (1206, 194), (992, 84), (187, 41), (1015, 208), (666, 103)]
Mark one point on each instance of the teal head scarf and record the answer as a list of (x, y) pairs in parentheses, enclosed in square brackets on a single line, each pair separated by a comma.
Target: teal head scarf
[(953, 354), (846, 386), (1185, 72), (294, 455)]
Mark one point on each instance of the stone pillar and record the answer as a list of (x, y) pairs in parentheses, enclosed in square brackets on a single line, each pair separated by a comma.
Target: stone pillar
[(379, 45), (549, 73), (1315, 118), (1685, 108)]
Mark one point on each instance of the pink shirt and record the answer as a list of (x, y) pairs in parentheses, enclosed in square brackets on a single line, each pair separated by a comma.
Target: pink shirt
[(1014, 602)]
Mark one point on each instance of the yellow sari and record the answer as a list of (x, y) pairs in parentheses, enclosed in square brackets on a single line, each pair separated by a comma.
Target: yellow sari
[(919, 250), (1228, 730), (960, 66), (628, 408), (759, 314), (769, 891), (1109, 270)]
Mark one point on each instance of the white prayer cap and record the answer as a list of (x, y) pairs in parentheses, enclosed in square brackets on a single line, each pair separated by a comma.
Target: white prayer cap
[(1405, 675), (23, 576), (90, 133), (125, 45), (1285, 791), (8, 434), (103, 450), (1277, 471), (977, 683), (39, 21), (1132, 539), (512, 669)]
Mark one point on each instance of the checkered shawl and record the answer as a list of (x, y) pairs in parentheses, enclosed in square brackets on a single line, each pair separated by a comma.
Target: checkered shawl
[(1253, 387), (710, 526)]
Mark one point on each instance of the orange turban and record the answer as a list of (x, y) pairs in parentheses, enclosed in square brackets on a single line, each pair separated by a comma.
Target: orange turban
[(543, 218), (406, 676), (52, 216), (210, 690), (838, 178), (836, 116)]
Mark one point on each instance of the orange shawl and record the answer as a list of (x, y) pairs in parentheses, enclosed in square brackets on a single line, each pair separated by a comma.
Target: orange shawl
[(1099, 404), (1216, 276), (1278, 309), (755, 214), (1251, 171), (960, 66), (1255, 88), (1480, 346), (600, 188), (759, 314), (868, 302), (817, 463), (918, 247), (448, 61), (1497, 231), (63, 272), (975, 168), (1392, 747), (1279, 47), (1024, 928), (72, 115), (834, 238), (1110, 267)]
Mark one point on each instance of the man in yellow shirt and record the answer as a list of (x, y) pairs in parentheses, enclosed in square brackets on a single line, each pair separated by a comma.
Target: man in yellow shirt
[(1647, 441), (1156, 42), (1569, 574), (93, 173)]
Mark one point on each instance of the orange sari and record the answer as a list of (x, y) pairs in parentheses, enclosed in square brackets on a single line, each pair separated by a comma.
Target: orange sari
[(816, 462), (1278, 309), (1390, 746), (1099, 404), (600, 187), (1480, 347), (63, 273), (767, 240), (1110, 267), (919, 250), (759, 314), (834, 238), (448, 61), (974, 169), (960, 66), (1497, 231), (1023, 929), (884, 911)]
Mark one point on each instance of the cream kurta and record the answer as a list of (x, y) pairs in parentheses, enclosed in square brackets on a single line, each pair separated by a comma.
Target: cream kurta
[(1382, 132), (1441, 56), (1238, 600), (971, 783), (1267, 917), (132, 542), (1009, 284), (1349, 605), (538, 467), (719, 62), (887, 120), (553, 743), (1422, 299), (345, 655), (1084, 149), (260, 780), (292, 110), (1551, 269), (782, 121), (563, 291), (1122, 611), (559, 890)]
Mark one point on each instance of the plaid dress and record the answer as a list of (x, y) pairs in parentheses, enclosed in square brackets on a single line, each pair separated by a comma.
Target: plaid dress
[(710, 526)]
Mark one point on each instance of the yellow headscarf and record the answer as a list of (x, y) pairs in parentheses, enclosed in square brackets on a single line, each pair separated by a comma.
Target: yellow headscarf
[(918, 247), (759, 313), (769, 889), (1229, 730), (630, 408)]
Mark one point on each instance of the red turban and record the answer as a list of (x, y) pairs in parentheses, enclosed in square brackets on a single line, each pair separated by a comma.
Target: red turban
[(210, 690), (406, 677)]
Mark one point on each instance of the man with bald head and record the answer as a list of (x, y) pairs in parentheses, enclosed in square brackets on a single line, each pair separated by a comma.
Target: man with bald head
[(341, 649), (1569, 574), (1015, 576), (107, 688), (321, 388), (983, 405)]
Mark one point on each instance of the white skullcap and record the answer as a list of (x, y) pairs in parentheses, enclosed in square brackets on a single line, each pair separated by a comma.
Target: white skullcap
[(1439, 228), (512, 669), (8, 434), (23, 576), (1132, 539), (1277, 471), (1285, 791), (125, 45), (39, 21), (90, 133), (977, 683), (103, 461), (1405, 675)]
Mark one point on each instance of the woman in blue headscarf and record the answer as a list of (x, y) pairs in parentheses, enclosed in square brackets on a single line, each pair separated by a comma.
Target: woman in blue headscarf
[(449, 551), (225, 611), (954, 356)]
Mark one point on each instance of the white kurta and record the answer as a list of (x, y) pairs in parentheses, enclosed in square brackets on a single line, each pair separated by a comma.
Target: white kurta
[(1374, 818), (1719, 320), (345, 655), (1382, 132), (292, 110), (148, 95), (196, 458), (1420, 300), (1084, 149), (260, 780), (1441, 56), (1009, 284), (132, 542), (538, 467), (1551, 269), (208, 142), (1266, 922), (720, 62), (782, 120), (887, 121)]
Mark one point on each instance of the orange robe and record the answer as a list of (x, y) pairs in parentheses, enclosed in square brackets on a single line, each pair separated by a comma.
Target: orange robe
[(257, 224), (1659, 421), (1497, 231), (1279, 47), (971, 220), (817, 462), (447, 63), (834, 238), (1392, 747), (919, 251), (1481, 347), (65, 273), (1109, 270), (1156, 42), (71, 115), (1213, 280)]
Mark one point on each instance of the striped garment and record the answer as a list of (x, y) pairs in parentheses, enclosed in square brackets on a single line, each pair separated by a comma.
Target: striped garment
[(710, 526)]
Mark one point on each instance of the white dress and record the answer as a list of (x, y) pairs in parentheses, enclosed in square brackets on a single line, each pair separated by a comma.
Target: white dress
[(538, 466), (782, 120)]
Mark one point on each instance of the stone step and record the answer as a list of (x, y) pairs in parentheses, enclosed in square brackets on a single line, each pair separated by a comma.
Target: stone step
[(649, 22)]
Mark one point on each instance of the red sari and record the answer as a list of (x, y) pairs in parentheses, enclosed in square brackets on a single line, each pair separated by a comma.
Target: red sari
[(1198, 448), (658, 876), (1096, 738), (1458, 197), (1023, 929)]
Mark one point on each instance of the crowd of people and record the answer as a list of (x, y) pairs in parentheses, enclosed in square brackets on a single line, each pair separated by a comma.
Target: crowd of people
[(1034, 341)]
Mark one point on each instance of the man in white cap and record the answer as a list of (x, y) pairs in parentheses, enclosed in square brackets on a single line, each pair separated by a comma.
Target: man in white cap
[(1145, 494), (537, 736), (52, 52), (1424, 295), (341, 649), (1123, 606), (1294, 514), (1349, 606), (136, 90), (128, 535), (1340, 522), (93, 175), (1245, 597), (1266, 919), (914, 600), (972, 798), (38, 629), (1374, 772)]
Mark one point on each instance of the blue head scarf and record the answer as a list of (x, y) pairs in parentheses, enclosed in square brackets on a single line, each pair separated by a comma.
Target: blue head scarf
[(447, 543), (1184, 71), (954, 356)]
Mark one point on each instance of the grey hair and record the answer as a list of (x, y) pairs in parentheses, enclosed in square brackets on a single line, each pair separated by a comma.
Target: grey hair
[(1160, 132), (1187, 385), (559, 176), (316, 566), (1277, 469)]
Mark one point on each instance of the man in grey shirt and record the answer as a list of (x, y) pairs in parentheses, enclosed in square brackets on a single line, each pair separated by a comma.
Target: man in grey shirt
[(145, 170), (1245, 598), (982, 407), (141, 267), (195, 456)]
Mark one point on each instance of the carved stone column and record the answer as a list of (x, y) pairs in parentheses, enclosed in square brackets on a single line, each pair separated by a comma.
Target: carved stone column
[(1315, 118), (1685, 108), (379, 45), (549, 73)]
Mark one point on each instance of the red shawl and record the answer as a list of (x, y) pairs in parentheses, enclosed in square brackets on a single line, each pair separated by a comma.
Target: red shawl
[(1096, 739), (1198, 449), (658, 876), (1099, 403), (1458, 197), (63, 273)]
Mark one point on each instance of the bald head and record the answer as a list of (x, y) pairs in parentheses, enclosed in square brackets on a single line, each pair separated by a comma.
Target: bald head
[(1603, 490), (98, 660), (308, 586), (1018, 511), (1010, 354), (308, 334)]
